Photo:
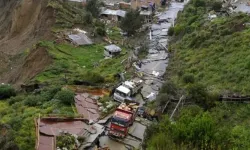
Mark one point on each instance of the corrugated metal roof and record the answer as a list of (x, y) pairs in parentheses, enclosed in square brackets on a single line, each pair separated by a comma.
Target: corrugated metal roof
[(113, 48), (123, 89), (80, 39), (120, 13), (146, 13)]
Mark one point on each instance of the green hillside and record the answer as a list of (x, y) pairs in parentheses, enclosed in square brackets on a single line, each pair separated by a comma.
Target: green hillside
[(214, 52), (208, 58)]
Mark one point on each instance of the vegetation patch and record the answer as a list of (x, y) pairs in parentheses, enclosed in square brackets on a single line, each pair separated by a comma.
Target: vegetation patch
[(85, 63)]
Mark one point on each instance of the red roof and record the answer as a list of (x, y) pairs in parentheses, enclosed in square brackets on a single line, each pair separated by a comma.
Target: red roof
[(49, 128)]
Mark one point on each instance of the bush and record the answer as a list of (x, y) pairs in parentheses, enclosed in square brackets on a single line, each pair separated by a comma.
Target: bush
[(65, 96), (199, 3), (65, 141), (6, 91), (131, 22), (33, 100), (93, 7), (216, 6), (188, 78), (171, 31), (15, 99), (93, 77), (88, 18), (100, 31)]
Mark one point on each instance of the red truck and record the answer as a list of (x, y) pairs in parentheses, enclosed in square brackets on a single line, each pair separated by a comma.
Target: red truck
[(122, 119)]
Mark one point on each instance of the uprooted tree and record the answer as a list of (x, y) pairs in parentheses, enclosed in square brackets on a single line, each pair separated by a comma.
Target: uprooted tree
[(131, 22)]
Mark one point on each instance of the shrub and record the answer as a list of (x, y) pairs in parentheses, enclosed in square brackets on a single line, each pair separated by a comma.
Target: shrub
[(93, 7), (88, 18), (199, 3), (15, 99), (93, 77), (33, 100), (100, 31), (65, 141), (65, 96), (81, 139), (188, 78), (6, 91), (171, 31), (131, 22), (216, 6)]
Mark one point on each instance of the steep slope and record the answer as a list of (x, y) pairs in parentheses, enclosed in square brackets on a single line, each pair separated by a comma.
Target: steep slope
[(23, 24), (213, 52)]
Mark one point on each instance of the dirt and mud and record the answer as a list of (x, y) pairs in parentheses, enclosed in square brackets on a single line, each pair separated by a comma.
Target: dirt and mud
[(22, 24)]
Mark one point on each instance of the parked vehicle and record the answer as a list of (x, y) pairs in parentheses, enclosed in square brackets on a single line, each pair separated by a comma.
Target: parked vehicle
[(122, 119), (127, 90)]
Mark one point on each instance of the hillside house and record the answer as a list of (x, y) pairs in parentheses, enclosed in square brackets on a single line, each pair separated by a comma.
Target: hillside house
[(114, 15), (112, 51)]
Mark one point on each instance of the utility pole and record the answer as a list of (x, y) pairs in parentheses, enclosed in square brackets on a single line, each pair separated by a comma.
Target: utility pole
[(182, 98)]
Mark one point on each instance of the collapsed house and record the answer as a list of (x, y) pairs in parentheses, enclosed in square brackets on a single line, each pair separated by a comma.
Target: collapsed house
[(114, 15), (87, 106), (112, 51), (79, 39), (48, 129)]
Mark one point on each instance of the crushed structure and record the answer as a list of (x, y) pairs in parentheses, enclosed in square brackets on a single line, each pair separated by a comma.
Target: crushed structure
[(87, 107), (114, 15), (49, 128), (112, 51), (80, 39)]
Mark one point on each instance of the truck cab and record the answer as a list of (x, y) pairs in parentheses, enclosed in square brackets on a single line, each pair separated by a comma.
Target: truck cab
[(122, 93), (127, 90), (122, 119), (120, 123)]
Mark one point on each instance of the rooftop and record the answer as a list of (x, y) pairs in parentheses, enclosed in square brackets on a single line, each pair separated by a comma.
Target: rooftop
[(120, 13), (87, 106), (113, 48), (80, 39), (123, 89), (49, 128)]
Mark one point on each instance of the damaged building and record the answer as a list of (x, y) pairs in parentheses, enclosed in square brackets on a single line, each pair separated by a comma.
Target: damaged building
[(112, 51), (114, 15)]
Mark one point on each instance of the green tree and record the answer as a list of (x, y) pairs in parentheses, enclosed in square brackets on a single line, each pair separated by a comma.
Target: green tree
[(65, 141), (131, 22), (6, 91), (93, 6), (88, 18), (171, 31), (65, 96), (216, 6)]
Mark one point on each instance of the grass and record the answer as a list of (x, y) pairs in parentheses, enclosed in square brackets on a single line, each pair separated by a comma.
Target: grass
[(74, 62), (214, 52), (20, 116)]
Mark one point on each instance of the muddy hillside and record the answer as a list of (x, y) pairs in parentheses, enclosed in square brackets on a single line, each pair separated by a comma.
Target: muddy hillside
[(22, 24)]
